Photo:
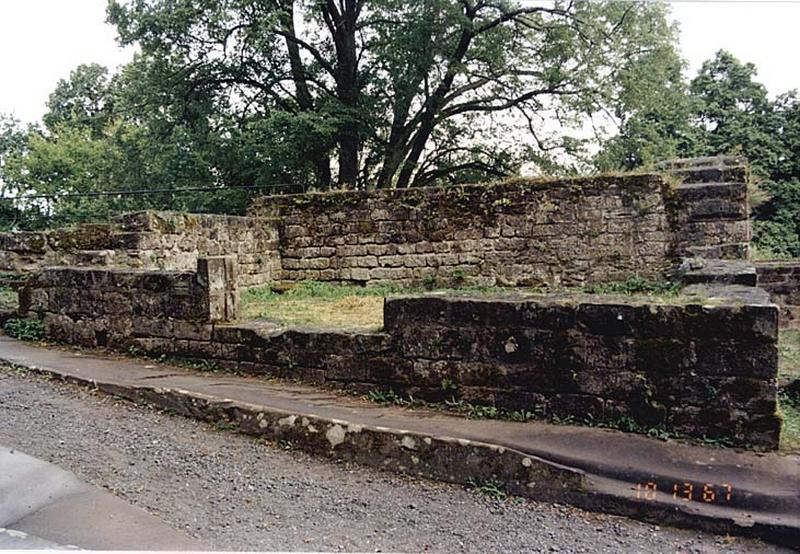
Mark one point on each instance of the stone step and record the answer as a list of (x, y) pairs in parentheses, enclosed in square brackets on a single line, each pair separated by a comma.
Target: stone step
[(666, 482)]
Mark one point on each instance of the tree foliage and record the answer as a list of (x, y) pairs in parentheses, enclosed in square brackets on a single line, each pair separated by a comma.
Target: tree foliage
[(725, 110), (384, 92)]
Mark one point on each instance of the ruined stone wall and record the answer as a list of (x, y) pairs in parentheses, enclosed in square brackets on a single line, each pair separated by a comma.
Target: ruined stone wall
[(28, 251), (515, 233), (781, 279), (169, 241), (710, 214), (704, 367), (703, 364), (111, 307)]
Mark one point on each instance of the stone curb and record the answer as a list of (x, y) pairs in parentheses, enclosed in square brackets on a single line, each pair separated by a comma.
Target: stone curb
[(455, 460)]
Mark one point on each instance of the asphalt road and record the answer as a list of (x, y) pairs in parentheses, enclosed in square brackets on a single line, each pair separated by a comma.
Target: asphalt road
[(239, 493)]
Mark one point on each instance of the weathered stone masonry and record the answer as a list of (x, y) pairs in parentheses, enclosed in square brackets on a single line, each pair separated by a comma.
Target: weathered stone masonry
[(703, 366), (782, 281), (148, 240), (521, 232), (517, 233), (107, 307), (514, 233)]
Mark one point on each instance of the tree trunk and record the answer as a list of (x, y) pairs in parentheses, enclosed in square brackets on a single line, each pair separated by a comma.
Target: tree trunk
[(342, 27), (435, 103), (322, 164)]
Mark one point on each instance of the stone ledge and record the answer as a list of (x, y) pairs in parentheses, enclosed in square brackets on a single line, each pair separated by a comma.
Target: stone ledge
[(731, 272)]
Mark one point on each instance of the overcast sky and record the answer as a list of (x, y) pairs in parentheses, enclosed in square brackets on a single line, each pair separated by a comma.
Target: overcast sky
[(42, 40)]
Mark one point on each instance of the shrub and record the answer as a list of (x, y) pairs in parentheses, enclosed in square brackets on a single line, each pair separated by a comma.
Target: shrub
[(24, 329)]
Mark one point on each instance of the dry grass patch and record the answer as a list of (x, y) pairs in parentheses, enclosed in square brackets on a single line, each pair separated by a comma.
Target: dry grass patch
[(318, 305)]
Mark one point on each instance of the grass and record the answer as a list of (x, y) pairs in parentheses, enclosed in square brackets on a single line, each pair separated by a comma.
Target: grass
[(316, 304), (9, 299), (789, 355), (790, 432), (789, 398)]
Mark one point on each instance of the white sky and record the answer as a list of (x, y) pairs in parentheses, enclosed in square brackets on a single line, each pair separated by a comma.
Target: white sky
[(41, 41)]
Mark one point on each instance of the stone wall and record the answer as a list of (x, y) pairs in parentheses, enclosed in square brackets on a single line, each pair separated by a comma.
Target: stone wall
[(703, 366), (520, 232), (111, 307), (781, 279), (148, 240), (516, 233), (710, 215)]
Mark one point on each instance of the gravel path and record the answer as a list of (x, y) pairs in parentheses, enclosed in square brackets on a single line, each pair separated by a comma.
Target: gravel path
[(238, 493)]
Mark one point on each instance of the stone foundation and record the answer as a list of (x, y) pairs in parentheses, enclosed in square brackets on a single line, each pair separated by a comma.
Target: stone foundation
[(107, 307), (703, 365)]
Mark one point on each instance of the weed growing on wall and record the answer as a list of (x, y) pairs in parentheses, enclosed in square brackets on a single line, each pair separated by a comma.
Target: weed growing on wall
[(637, 285), (9, 299), (24, 329), (491, 489)]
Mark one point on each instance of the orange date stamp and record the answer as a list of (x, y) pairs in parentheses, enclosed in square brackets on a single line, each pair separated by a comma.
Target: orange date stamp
[(688, 492)]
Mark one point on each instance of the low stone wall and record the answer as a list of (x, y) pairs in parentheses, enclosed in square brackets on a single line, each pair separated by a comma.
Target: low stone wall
[(516, 233), (781, 279), (703, 366), (110, 307), (149, 240), (28, 251)]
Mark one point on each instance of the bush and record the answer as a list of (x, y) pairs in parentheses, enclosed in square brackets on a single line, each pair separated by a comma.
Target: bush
[(776, 223), (24, 329)]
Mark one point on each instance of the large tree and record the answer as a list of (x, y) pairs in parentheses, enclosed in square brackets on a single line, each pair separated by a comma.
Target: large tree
[(386, 92), (723, 110)]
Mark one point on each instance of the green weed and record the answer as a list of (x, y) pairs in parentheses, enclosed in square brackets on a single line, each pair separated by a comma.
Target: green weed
[(491, 489), (637, 285), (24, 329)]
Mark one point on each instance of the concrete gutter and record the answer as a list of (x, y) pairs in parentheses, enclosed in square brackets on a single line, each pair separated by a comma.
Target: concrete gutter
[(665, 482), (43, 507)]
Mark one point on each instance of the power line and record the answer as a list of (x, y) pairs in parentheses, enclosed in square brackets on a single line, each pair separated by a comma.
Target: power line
[(132, 192)]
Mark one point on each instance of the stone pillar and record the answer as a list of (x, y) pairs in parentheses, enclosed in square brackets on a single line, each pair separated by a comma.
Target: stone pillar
[(216, 275)]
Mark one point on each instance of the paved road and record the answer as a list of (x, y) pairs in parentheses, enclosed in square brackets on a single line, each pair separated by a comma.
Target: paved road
[(41, 503), (236, 493)]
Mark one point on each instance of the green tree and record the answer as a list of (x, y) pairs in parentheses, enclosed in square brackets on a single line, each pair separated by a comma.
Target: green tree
[(723, 110), (400, 93), (83, 100), (13, 142), (654, 117), (734, 113)]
